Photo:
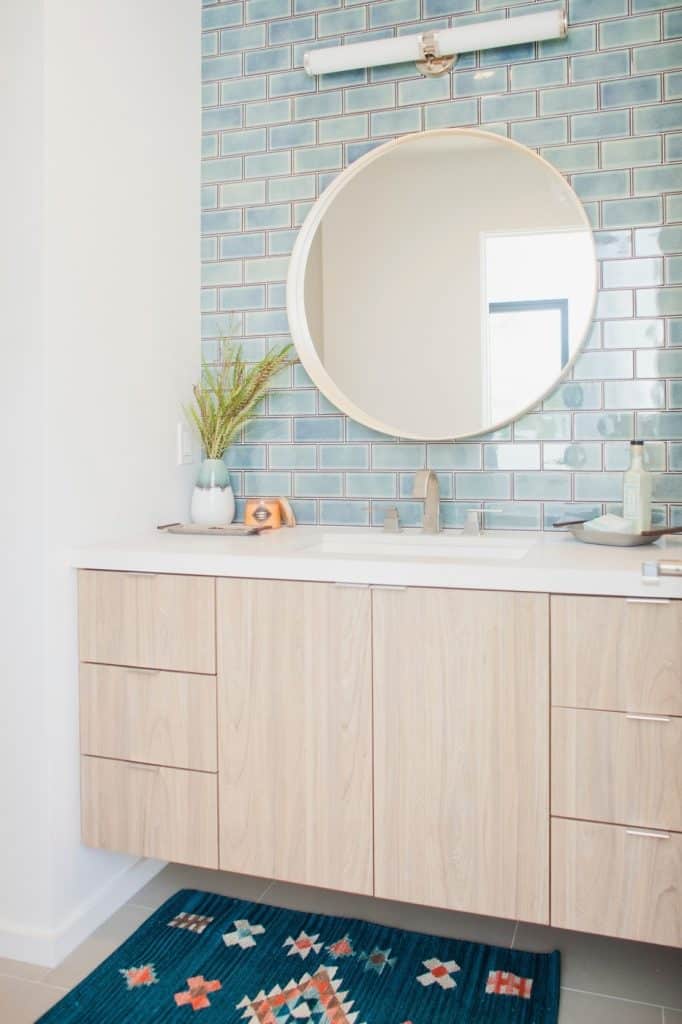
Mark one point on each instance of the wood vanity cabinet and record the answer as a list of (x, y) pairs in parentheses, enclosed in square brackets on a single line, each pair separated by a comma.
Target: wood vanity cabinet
[(461, 706)]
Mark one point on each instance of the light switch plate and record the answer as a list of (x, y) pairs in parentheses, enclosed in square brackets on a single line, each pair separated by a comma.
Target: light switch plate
[(185, 445)]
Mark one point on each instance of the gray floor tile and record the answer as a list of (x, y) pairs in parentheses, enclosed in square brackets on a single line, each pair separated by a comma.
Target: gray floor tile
[(19, 969), (180, 876), (626, 970), (398, 915), (100, 944), (23, 1001), (584, 1008)]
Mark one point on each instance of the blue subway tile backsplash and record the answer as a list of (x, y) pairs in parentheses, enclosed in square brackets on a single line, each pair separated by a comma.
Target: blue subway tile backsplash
[(602, 106)]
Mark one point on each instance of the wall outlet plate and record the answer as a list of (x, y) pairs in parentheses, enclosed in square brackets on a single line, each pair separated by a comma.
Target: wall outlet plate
[(184, 444)]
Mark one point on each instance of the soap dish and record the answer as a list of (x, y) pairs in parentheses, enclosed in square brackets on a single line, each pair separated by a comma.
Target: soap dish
[(611, 539)]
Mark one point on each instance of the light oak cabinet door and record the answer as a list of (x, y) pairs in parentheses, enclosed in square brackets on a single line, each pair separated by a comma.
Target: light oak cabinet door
[(147, 620), (613, 767), (461, 718), (153, 812), (295, 719), (141, 714), (615, 654), (617, 881)]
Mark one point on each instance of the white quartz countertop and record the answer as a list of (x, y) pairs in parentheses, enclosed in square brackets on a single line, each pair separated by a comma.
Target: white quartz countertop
[(510, 560)]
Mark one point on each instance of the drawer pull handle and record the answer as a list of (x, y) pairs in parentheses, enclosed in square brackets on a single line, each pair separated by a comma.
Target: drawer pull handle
[(351, 586), (144, 767), (648, 718), (143, 671), (645, 834), (141, 575), (647, 600), (386, 586)]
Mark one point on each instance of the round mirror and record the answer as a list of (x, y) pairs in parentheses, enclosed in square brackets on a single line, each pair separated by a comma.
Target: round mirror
[(442, 284)]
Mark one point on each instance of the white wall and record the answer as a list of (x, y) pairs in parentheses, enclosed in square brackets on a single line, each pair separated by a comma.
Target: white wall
[(119, 351)]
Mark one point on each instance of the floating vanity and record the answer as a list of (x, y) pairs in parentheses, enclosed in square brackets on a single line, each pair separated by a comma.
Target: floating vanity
[(489, 724)]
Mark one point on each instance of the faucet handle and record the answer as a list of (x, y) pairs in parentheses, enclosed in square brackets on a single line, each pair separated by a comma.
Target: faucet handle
[(474, 521)]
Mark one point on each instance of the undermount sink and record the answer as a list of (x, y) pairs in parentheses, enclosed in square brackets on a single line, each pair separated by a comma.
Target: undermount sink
[(421, 545)]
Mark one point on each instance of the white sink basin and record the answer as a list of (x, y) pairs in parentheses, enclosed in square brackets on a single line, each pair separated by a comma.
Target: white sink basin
[(455, 547)]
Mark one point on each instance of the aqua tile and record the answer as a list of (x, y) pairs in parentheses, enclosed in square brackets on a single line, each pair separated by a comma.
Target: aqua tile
[(270, 112), (318, 485), (675, 332), (285, 136), (268, 216), (446, 485), (268, 429), (614, 303), (544, 132), (410, 513), (214, 68), (659, 57), (633, 333), (229, 272), (221, 170), (581, 157), (271, 269), (321, 428), (574, 395), (658, 241), (654, 180), (218, 17), (539, 73), (393, 122), (617, 456), (209, 300), (354, 150), (481, 82), (632, 212), (659, 302), (292, 403), (634, 394), (675, 394), (613, 244), (455, 455), (483, 485), (391, 12), (209, 44), (209, 146), (221, 118), (673, 146), (543, 426), (242, 193), (604, 426), (659, 364), (511, 456), (291, 31), (598, 486), (584, 10), (277, 294), (318, 159), (603, 366), (569, 456), (301, 186), (208, 248), (451, 115), (209, 94), (369, 97), (602, 185), (633, 273), (237, 39), (238, 246), (263, 10), (246, 456), (506, 54), (344, 456), (344, 513), (538, 486), (371, 485), (242, 89), (521, 515), (568, 99), (351, 19), (339, 129), (310, 6), (629, 32), (580, 39), (398, 456), (242, 298), (508, 107), (342, 79), (631, 152), (280, 243), (249, 141), (673, 269), (630, 92), (432, 8), (675, 458), (672, 85), (603, 125), (265, 165), (273, 322), (423, 90), (301, 211), (557, 513), (673, 208), (289, 82), (594, 67), (665, 117), (667, 487), (305, 511), (275, 58), (672, 24), (266, 484)]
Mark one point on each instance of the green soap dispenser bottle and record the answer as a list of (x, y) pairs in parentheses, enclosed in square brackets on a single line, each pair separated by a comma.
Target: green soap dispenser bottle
[(637, 490)]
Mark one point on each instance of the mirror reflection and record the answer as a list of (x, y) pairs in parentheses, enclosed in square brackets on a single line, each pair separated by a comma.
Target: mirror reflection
[(442, 285)]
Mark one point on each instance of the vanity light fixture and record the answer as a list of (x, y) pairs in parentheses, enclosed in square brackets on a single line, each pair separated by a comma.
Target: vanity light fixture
[(436, 52)]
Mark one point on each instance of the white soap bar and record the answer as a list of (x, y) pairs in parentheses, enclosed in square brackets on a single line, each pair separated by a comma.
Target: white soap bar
[(609, 524)]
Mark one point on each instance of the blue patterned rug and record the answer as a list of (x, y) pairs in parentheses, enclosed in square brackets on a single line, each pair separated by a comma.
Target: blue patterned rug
[(228, 961)]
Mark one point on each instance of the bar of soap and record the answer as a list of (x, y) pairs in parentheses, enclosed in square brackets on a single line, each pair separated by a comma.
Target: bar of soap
[(609, 524)]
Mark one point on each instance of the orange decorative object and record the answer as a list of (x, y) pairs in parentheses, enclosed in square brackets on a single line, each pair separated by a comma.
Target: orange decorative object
[(263, 512)]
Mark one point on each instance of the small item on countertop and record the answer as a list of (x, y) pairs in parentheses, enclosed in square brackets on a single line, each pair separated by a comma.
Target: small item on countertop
[(288, 515), (610, 524), (263, 512), (226, 530), (637, 490)]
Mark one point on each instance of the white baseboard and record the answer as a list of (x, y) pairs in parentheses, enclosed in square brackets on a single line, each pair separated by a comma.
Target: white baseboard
[(48, 947)]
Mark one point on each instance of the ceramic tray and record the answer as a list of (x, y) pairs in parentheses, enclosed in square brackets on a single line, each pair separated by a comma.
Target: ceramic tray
[(616, 540)]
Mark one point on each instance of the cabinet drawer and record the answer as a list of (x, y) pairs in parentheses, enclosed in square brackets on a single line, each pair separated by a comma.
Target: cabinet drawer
[(613, 767), (165, 718), (616, 654), (617, 881), (148, 620), (166, 813)]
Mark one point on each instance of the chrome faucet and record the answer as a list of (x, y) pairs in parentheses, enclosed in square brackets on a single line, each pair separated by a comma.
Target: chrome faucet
[(426, 487)]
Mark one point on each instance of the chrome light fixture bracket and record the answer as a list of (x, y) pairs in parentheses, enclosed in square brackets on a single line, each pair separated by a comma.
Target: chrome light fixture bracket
[(432, 64)]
